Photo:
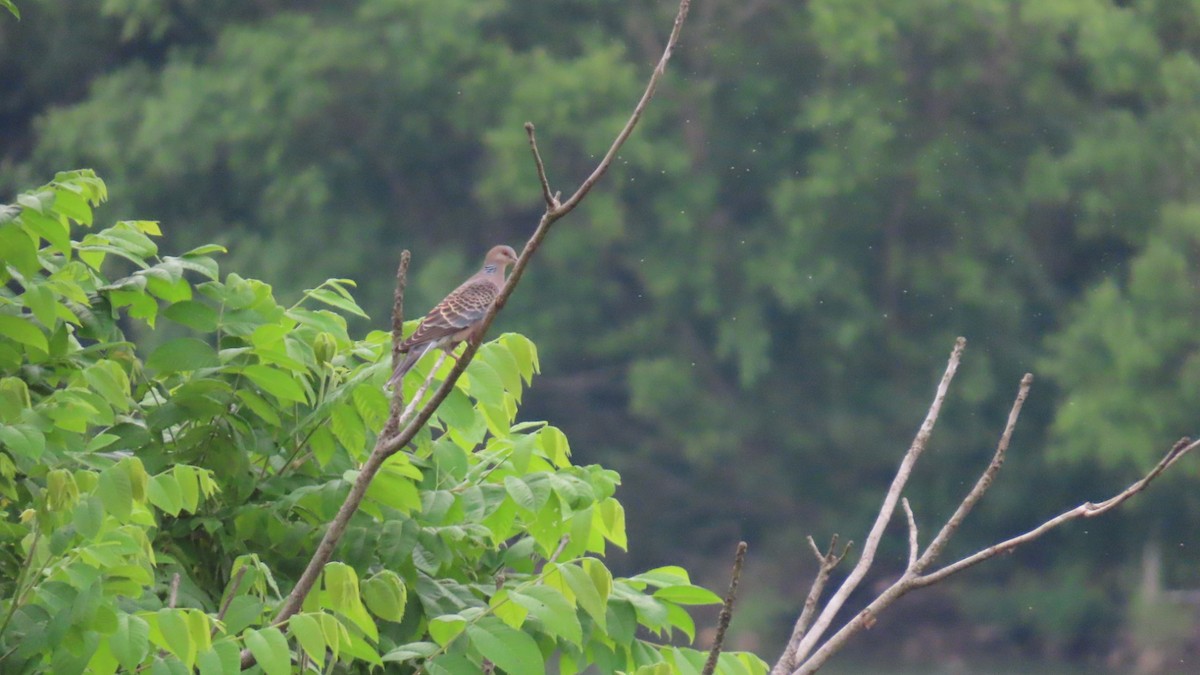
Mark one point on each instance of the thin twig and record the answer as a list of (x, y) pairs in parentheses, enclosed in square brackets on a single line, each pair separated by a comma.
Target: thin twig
[(982, 485), (551, 200), (173, 596), (912, 533), (233, 589), (397, 404), (1084, 510), (710, 666), (826, 562), (809, 641), (386, 446)]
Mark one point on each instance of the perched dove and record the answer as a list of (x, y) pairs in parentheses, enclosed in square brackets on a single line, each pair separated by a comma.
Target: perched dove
[(454, 318)]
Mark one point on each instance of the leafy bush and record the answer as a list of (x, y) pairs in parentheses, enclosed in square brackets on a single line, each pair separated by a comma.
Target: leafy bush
[(158, 506)]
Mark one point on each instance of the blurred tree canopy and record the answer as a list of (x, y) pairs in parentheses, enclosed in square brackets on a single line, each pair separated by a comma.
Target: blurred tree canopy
[(756, 300)]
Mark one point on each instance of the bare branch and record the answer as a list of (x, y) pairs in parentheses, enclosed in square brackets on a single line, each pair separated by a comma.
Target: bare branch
[(387, 445), (393, 421), (981, 486), (551, 199), (809, 641), (586, 187), (1085, 510), (710, 666), (910, 581), (173, 595), (826, 563), (912, 533)]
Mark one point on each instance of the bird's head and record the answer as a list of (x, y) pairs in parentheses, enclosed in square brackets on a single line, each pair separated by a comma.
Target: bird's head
[(502, 256)]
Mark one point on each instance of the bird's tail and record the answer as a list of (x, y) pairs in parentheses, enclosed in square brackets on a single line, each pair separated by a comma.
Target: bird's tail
[(410, 360)]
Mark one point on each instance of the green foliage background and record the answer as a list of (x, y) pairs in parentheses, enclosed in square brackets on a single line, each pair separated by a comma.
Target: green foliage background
[(756, 301)]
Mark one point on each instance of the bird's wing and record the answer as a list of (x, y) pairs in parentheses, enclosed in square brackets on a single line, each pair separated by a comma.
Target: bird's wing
[(465, 306)]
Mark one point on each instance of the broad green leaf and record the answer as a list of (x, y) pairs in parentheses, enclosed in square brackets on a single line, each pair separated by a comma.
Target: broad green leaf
[(224, 657), (307, 631), (131, 641), (591, 584), (275, 382), (193, 314), (512, 650), (688, 595), (270, 649), (410, 651), (552, 609), (178, 638), (244, 610), (24, 332), (445, 628), (385, 595), (183, 354), (116, 492), (164, 493)]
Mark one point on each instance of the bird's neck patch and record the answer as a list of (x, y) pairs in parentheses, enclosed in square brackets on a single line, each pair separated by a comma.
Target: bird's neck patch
[(490, 269)]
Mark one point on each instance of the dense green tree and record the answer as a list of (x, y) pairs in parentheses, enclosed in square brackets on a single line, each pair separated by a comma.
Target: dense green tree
[(823, 196)]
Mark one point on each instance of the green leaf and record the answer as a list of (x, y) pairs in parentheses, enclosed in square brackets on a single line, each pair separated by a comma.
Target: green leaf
[(53, 229), (131, 641), (7, 4), (307, 631), (345, 304), (341, 588), (23, 440), (116, 492), (552, 609), (183, 354), (193, 314), (275, 382), (24, 332), (18, 250), (445, 628), (174, 629), (243, 611), (512, 650), (386, 595), (223, 657), (688, 595), (591, 587), (270, 649), (164, 493), (410, 651)]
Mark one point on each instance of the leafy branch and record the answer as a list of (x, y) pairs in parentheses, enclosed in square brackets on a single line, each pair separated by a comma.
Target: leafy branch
[(388, 444)]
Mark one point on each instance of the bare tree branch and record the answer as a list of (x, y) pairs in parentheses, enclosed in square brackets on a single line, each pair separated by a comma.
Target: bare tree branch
[(982, 485), (1085, 510), (387, 445), (710, 666), (799, 661), (826, 562), (393, 421), (912, 533), (810, 638), (551, 199), (173, 595)]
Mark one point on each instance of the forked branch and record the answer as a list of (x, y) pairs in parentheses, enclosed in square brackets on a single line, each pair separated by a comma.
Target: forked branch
[(801, 656), (388, 444)]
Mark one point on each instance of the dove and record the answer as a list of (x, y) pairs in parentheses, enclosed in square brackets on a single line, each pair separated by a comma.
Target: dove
[(459, 314)]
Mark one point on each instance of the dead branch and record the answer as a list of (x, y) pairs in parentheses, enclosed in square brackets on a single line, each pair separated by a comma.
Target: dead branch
[(825, 563), (739, 558), (387, 445), (800, 657), (809, 640)]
